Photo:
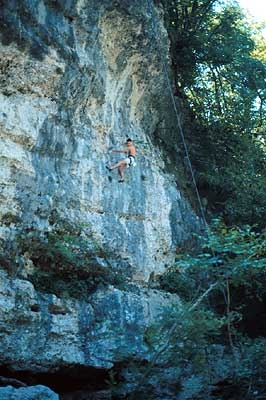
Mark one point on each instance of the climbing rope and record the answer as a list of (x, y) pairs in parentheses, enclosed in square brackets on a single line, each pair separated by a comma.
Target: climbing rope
[(180, 129)]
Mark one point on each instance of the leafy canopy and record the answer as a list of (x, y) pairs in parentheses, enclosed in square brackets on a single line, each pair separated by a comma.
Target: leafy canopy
[(219, 68)]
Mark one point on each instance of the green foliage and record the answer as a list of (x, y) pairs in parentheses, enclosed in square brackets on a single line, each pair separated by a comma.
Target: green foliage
[(194, 330), (212, 345), (177, 346), (218, 70), (206, 338), (187, 22), (237, 254)]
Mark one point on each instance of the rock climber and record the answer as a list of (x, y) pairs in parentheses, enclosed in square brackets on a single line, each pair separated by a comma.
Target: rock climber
[(129, 161)]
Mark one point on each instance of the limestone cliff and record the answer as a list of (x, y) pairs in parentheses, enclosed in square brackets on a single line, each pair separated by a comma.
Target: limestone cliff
[(77, 78)]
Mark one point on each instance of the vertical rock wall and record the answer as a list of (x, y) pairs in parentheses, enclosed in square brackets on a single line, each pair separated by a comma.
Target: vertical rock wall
[(77, 78)]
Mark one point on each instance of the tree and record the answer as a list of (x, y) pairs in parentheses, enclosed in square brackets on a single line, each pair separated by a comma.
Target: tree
[(218, 71)]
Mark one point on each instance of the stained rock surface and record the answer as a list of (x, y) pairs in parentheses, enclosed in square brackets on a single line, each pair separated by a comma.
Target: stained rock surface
[(76, 80)]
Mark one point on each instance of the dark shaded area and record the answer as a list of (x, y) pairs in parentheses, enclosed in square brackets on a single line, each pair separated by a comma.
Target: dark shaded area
[(250, 303), (68, 379), (226, 390), (254, 321)]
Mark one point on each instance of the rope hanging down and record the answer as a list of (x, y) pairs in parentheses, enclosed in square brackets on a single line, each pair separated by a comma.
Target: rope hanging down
[(155, 34)]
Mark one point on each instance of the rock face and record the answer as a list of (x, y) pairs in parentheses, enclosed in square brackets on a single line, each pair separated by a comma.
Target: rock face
[(30, 393), (77, 78), (40, 333)]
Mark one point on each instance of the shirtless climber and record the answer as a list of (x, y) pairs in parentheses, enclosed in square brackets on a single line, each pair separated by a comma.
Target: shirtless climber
[(129, 161)]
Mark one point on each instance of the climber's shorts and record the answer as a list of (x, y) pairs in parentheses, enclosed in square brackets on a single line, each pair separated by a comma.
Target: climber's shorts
[(130, 161)]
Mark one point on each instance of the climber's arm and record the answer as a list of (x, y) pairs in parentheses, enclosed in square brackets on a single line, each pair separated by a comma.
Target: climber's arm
[(119, 151)]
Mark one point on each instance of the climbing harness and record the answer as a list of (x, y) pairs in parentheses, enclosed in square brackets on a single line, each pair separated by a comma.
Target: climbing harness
[(132, 162)]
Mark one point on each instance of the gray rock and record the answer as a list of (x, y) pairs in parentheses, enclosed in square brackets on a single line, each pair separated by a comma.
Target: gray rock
[(43, 332), (77, 78), (65, 104), (38, 392)]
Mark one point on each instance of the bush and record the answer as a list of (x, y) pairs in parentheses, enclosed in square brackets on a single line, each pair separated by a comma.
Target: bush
[(210, 339)]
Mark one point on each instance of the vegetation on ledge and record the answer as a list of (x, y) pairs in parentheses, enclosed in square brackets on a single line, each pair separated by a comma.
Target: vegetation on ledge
[(66, 262)]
